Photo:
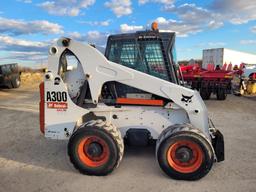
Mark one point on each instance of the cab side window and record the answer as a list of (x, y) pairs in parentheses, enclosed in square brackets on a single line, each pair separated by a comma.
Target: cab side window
[(155, 60)]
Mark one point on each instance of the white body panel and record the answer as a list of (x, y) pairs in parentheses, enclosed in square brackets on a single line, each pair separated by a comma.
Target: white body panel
[(61, 123), (221, 56)]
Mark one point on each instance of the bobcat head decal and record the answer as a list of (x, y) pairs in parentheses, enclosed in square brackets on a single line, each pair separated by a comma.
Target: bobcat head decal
[(186, 99)]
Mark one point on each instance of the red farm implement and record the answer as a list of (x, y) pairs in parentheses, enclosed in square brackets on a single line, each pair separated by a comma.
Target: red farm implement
[(213, 80)]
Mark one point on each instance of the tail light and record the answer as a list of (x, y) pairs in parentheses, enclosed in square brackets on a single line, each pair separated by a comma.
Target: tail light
[(41, 108), (252, 76)]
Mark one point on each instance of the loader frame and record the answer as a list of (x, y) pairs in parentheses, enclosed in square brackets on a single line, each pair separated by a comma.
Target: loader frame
[(73, 107), (63, 116)]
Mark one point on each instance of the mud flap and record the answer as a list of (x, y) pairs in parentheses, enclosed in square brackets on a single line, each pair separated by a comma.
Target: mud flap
[(218, 145)]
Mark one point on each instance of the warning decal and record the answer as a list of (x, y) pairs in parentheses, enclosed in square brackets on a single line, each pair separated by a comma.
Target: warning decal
[(57, 105)]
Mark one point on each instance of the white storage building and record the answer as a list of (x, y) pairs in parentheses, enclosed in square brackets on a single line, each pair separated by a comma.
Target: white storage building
[(221, 56)]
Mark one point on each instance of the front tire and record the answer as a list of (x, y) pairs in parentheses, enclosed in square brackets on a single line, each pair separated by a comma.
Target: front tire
[(221, 94), (184, 153), (96, 148)]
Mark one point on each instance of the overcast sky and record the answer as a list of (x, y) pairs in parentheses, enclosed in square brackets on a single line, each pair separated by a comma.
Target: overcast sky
[(28, 27)]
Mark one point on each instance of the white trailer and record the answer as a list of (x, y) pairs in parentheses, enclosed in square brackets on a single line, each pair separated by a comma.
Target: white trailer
[(221, 56)]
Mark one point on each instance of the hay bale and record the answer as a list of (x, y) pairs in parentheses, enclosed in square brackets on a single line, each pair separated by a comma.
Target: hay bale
[(30, 78)]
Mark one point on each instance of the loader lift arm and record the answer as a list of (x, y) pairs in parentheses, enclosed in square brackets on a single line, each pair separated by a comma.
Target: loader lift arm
[(98, 70)]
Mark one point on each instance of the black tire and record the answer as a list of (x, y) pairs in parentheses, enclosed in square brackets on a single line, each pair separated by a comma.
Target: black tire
[(185, 133), (205, 94), (16, 82), (221, 94), (9, 85), (195, 85), (109, 141)]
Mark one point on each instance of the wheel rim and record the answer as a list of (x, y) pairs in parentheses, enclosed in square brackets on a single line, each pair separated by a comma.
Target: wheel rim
[(185, 156), (93, 151)]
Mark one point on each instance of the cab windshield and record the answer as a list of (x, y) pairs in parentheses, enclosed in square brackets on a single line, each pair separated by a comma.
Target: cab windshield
[(145, 56)]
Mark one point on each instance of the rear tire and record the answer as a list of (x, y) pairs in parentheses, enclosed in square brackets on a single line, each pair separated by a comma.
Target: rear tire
[(221, 94), (96, 148), (16, 82), (184, 153), (205, 94)]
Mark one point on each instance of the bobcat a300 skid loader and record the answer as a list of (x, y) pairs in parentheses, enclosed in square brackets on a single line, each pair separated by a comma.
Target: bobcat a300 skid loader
[(98, 105)]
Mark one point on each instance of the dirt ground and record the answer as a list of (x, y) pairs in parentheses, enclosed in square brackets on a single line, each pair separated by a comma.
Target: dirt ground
[(29, 162)]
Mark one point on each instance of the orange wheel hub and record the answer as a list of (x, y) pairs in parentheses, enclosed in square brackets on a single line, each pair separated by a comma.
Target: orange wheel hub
[(93, 151), (185, 156)]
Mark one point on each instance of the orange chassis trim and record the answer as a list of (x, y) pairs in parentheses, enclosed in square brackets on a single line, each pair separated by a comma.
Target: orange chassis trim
[(133, 101)]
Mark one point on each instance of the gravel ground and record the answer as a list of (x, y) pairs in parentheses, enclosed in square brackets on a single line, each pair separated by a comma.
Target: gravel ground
[(29, 162)]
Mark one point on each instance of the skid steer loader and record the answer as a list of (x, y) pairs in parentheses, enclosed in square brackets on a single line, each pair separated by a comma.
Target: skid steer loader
[(98, 105)]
